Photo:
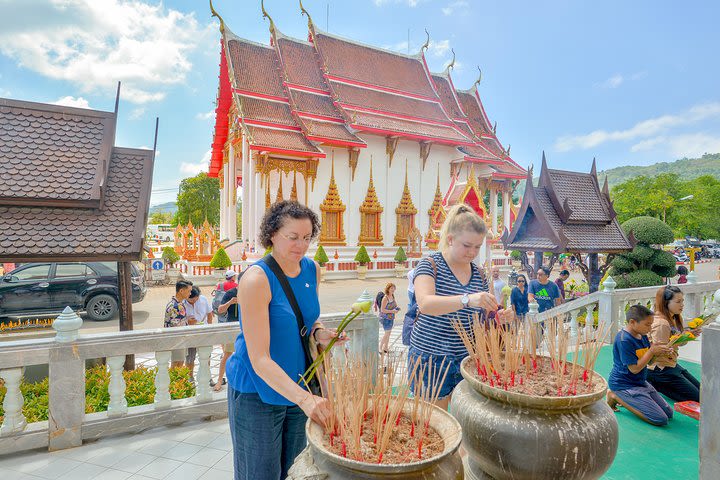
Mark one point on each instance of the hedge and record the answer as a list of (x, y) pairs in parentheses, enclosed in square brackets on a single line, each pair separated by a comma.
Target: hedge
[(221, 259), (320, 256), (649, 230), (362, 256), (400, 255)]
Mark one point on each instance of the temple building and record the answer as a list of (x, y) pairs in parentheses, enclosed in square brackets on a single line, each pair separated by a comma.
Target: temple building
[(370, 139)]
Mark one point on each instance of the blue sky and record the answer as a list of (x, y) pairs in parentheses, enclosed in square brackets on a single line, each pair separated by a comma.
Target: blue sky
[(631, 83)]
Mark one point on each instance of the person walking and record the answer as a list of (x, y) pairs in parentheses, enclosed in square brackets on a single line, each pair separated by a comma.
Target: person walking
[(519, 298), (498, 284), (664, 372), (230, 280), (560, 282), (267, 405), (228, 312), (176, 316), (388, 309), (197, 308), (449, 286)]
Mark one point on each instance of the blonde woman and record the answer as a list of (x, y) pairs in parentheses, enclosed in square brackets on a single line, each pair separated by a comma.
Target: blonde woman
[(449, 286), (388, 309)]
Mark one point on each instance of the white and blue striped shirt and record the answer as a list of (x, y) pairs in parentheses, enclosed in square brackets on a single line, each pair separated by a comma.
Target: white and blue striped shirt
[(433, 334)]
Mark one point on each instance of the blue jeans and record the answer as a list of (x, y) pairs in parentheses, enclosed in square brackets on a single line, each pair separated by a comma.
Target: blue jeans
[(648, 402), (439, 364), (266, 438)]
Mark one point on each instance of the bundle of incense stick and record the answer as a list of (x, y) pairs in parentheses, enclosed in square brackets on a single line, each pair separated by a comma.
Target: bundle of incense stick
[(505, 356), (357, 391)]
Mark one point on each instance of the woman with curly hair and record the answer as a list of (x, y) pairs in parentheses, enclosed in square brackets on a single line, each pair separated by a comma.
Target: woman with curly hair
[(267, 406)]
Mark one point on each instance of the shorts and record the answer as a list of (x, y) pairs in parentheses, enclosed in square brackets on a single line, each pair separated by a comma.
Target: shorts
[(387, 323), (179, 355), (439, 364)]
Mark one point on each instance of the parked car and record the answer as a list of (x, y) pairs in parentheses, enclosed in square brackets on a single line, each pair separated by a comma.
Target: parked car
[(681, 257), (36, 289)]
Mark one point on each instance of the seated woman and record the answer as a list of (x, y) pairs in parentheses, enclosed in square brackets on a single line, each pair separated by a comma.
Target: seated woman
[(664, 372)]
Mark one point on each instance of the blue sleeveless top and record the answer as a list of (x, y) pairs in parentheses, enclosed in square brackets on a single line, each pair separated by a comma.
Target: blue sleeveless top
[(285, 345)]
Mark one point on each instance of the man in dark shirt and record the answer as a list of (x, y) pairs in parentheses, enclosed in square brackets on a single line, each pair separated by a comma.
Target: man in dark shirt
[(543, 291), (560, 282), (229, 307)]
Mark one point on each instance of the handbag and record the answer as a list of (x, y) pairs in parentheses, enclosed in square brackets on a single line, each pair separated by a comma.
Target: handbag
[(314, 384), (414, 312)]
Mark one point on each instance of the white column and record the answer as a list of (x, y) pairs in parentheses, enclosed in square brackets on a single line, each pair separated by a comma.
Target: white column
[(14, 420), (506, 199), (253, 193), (223, 203), (246, 180), (162, 381), (118, 403), (493, 210), (232, 196), (203, 376)]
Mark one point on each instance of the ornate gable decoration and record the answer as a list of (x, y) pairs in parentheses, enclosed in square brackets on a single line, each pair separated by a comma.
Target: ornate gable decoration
[(370, 210), (331, 211), (405, 212)]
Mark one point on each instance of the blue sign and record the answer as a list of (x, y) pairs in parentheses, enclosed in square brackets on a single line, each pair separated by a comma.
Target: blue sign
[(158, 265)]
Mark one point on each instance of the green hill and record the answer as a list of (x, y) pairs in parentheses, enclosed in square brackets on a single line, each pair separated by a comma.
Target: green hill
[(686, 168), (170, 207)]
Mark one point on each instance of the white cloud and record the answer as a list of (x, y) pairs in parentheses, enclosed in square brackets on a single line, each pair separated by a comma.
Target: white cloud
[(454, 6), (4, 92), (95, 43), (691, 145), (137, 113), (187, 168), (409, 3), (646, 128), (206, 116), (69, 101), (612, 82), (439, 48)]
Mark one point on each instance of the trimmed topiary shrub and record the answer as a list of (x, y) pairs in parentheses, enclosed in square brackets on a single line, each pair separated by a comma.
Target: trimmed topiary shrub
[(221, 259), (644, 266), (515, 255), (320, 256), (362, 256), (400, 256), (170, 256)]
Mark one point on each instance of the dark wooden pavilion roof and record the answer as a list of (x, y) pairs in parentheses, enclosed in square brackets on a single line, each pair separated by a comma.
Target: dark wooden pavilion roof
[(567, 212), (68, 193)]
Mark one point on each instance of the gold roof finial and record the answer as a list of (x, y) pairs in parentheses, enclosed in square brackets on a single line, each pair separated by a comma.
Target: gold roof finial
[(267, 15), (426, 45), (215, 14), (451, 65), (479, 79), (307, 14)]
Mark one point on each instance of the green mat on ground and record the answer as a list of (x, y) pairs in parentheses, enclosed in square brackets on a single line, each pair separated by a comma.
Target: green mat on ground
[(669, 452)]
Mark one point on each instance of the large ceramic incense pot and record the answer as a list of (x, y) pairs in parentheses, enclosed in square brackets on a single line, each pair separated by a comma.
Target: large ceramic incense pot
[(516, 436), (317, 463)]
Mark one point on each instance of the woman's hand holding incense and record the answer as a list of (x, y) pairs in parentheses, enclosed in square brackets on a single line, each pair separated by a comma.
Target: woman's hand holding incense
[(483, 300), (316, 409)]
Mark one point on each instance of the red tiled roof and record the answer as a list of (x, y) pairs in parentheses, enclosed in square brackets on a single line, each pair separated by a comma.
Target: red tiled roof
[(387, 102), (373, 66), (445, 92), (314, 103), (398, 126), (475, 117), (281, 140), (479, 152), (508, 169), (267, 111), (53, 155), (328, 132), (301, 63), (255, 66)]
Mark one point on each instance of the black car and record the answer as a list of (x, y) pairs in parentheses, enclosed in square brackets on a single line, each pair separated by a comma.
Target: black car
[(36, 289)]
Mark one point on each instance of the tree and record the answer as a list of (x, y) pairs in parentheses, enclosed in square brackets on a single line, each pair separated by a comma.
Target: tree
[(160, 217), (220, 259), (199, 199), (362, 256), (696, 215), (320, 256), (645, 265), (400, 256), (170, 256)]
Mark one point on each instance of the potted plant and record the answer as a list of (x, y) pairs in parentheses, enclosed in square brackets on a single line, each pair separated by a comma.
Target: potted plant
[(400, 261), (362, 258), (220, 262), (170, 257), (321, 258)]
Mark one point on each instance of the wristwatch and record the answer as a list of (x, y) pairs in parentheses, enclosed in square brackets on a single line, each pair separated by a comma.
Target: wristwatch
[(465, 300)]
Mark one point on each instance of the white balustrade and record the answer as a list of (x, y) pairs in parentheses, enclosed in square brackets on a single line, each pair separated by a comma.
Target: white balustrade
[(67, 325), (202, 385), (116, 388), (162, 381), (14, 420)]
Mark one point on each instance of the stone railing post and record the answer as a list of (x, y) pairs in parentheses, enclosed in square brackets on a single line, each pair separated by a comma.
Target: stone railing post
[(118, 403), (710, 398), (203, 392), (608, 310), (162, 381), (693, 301), (66, 378), (14, 420)]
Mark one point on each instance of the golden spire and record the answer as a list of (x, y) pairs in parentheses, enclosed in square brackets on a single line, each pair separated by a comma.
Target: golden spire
[(279, 196), (406, 206), (437, 201), (371, 204), (293, 190), (332, 201), (267, 192)]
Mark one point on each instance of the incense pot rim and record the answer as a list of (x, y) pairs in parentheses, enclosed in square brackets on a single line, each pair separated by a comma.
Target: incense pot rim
[(531, 401), (444, 423)]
